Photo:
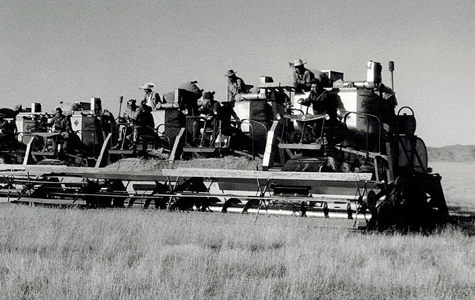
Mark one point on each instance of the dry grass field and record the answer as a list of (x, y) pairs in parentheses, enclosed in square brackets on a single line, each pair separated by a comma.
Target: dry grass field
[(50, 253), (458, 181)]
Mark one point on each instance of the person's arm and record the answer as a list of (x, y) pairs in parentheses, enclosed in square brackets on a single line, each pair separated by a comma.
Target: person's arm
[(134, 115), (323, 96), (157, 99), (56, 124), (305, 101), (388, 94), (216, 107), (296, 78), (241, 86), (126, 112), (231, 87)]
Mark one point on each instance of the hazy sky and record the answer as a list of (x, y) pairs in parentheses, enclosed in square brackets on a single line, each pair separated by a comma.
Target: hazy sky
[(62, 50)]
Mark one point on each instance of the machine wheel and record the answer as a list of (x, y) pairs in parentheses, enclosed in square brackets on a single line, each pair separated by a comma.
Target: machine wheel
[(406, 207)]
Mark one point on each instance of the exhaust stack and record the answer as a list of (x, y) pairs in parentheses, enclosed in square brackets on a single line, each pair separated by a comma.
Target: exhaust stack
[(391, 69)]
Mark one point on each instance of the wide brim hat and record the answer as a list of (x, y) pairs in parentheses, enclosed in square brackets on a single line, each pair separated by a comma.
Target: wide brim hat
[(299, 62), (230, 73), (147, 86), (131, 101)]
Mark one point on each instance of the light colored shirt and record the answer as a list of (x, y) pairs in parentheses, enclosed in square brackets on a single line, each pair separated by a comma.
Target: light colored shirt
[(151, 99), (235, 86), (303, 78)]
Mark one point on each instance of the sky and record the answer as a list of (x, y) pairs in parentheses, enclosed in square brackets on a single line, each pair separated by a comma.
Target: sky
[(71, 51)]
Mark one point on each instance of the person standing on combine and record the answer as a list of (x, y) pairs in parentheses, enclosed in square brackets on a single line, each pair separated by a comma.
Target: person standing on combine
[(236, 86), (151, 98), (144, 129), (62, 124), (302, 76), (209, 108), (145, 125)]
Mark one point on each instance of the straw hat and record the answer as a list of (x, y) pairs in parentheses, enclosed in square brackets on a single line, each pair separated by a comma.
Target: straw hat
[(299, 62), (147, 86), (230, 73)]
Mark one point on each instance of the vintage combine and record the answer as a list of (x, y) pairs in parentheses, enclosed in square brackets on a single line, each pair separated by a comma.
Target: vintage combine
[(41, 144), (359, 158)]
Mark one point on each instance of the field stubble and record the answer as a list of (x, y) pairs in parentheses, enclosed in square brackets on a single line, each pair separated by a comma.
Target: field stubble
[(133, 254)]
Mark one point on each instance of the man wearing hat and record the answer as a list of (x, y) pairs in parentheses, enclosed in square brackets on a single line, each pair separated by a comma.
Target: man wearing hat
[(302, 76), (150, 98), (235, 85)]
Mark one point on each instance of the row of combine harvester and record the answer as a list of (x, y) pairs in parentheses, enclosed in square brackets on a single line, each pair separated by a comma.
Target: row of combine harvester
[(363, 163)]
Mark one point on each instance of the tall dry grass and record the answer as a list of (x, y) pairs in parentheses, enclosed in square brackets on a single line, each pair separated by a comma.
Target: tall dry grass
[(134, 254)]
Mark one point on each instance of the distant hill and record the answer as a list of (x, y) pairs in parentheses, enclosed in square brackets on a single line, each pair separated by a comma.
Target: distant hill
[(455, 153)]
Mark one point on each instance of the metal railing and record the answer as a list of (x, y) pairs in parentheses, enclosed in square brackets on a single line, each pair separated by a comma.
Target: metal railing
[(251, 127), (367, 117)]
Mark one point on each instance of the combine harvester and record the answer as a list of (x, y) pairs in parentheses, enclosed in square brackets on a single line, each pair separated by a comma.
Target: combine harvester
[(40, 144), (360, 160)]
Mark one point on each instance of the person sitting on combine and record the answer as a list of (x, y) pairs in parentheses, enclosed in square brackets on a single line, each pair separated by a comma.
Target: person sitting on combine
[(7, 129), (317, 98), (127, 122), (236, 86), (302, 76), (151, 98), (321, 102), (62, 124), (209, 108)]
